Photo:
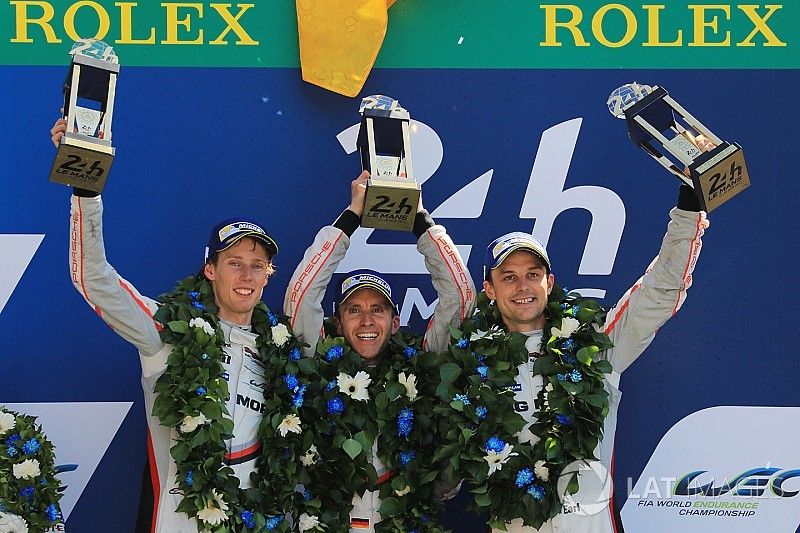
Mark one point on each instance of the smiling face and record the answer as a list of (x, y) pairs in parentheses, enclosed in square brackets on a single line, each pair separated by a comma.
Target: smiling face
[(520, 286), (367, 321), (238, 276)]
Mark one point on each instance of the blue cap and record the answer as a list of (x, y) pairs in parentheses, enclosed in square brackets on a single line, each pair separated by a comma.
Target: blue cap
[(503, 246), (361, 279), (228, 232)]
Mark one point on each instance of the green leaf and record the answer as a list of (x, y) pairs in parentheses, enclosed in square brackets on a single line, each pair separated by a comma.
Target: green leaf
[(586, 354), (598, 400), (603, 366), (572, 486), (179, 452), (352, 448), (483, 499), (449, 372), (178, 326), (390, 506)]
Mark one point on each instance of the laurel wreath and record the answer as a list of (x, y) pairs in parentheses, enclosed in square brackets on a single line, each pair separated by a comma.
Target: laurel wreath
[(512, 471), (29, 492), (193, 390)]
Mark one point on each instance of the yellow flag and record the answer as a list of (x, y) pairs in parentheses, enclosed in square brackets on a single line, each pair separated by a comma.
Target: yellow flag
[(339, 41)]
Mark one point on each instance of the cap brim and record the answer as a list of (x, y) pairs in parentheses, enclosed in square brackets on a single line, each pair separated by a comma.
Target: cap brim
[(270, 244), (521, 246)]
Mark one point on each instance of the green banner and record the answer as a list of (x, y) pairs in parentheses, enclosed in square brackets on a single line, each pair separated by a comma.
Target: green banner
[(434, 34)]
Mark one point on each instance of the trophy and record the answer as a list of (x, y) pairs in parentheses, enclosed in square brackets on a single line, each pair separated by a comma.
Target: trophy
[(385, 147), (85, 153), (652, 115)]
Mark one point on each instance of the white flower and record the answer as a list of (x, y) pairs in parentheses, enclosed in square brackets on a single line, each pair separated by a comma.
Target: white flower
[(280, 334), (493, 331), (11, 523), (403, 492), (7, 422), (202, 324), (306, 522), (526, 436), (190, 423), (27, 469), (290, 422), (533, 344), (569, 326), (214, 512), (410, 383), (355, 386), (310, 456), (541, 471), (497, 460)]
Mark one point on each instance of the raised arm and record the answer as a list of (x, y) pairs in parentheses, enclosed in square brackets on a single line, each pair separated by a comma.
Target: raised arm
[(656, 296)]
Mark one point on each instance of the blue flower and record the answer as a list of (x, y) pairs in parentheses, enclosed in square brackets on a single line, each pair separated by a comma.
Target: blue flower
[(495, 444), (334, 353), (481, 411), (574, 311), (273, 521), (199, 306), (463, 342), (564, 305), (12, 439), (483, 371), (189, 479), (331, 385), (424, 518), (31, 447), (297, 399), (536, 491), (524, 478), (335, 406), (43, 482), (2, 508), (11, 451), (27, 492), (194, 295), (201, 390), (248, 519), (205, 357), (480, 358), (568, 345), (294, 355), (575, 376), (405, 422), (563, 419), (570, 359), (409, 352), (273, 320), (291, 382), (52, 512), (407, 456), (461, 398), (561, 377)]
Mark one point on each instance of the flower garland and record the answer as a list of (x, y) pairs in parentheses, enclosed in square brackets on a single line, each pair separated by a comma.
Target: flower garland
[(191, 397), (512, 470), (29, 493), (350, 411)]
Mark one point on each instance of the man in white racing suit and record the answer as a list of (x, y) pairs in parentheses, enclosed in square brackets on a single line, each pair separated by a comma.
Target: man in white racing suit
[(518, 278), (238, 265), (365, 313)]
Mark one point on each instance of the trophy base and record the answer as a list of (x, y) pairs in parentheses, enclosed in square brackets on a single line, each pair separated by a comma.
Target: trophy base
[(720, 175), (391, 204), (82, 162)]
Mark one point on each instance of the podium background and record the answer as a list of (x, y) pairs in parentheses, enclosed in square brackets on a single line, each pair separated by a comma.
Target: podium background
[(198, 144)]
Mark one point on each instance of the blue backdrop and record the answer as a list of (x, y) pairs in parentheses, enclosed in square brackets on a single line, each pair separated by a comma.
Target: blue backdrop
[(195, 146)]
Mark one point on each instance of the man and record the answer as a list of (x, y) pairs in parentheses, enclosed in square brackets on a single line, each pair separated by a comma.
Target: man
[(518, 278), (238, 265), (365, 312)]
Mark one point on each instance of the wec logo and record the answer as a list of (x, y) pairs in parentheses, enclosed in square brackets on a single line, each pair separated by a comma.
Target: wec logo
[(753, 482), (16, 252)]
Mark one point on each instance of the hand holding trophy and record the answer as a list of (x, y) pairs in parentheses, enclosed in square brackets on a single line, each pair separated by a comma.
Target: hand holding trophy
[(85, 153), (716, 169)]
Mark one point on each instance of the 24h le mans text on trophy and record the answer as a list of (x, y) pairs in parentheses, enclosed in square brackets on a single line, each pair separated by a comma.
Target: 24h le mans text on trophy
[(85, 153), (385, 147), (652, 115)]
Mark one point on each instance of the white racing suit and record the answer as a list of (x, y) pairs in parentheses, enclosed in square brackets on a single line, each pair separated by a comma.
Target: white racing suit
[(631, 324), (131, 315), (303, 303)]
